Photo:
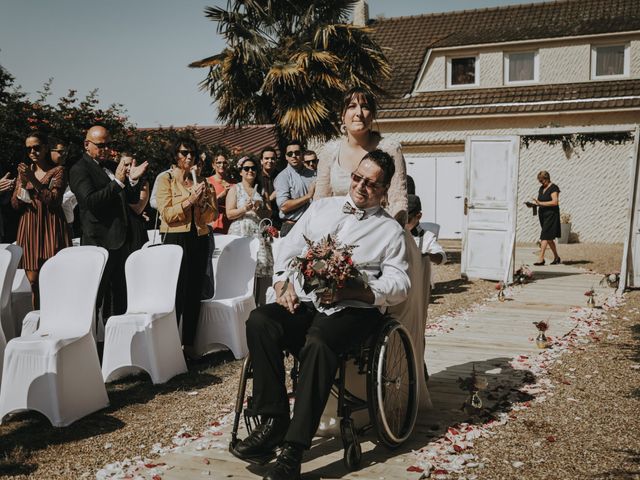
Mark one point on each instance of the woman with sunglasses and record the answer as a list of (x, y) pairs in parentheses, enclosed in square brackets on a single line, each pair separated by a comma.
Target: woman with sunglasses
[(338, 158), (187, 205), (221, 181), (246, 207), (42, 229)]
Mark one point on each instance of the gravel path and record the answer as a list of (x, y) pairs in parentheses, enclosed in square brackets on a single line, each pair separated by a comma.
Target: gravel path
[(142, 414)]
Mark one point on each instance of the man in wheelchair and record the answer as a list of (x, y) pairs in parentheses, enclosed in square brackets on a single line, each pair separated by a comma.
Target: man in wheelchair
[(318, 333)]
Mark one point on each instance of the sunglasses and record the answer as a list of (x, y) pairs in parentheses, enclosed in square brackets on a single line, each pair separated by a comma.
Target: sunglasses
[(36, 148), (250, 169), (367, 183), (186, 153), (294, 153), (58, 150), (311, 162), (100, 145)]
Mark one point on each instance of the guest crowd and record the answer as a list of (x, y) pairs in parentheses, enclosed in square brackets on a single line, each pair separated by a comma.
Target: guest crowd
[(103, 198)]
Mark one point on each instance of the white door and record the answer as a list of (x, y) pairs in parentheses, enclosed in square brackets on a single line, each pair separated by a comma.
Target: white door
[(450, 196), (440, 186), (423, 172), (491, 184), (632, 244)]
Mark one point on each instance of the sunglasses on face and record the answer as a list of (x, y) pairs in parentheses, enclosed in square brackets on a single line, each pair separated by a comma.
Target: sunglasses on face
[(311, 162), (250, 169), (367, 183), (100, 145), (294, 153), (36, 148), (186, 153), (58, 150)]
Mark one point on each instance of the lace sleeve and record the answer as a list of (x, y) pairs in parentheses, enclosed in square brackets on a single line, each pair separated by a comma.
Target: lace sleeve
[(398, 189), (326, 156)]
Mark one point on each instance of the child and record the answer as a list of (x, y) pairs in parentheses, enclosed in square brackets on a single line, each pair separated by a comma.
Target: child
[(425, 240)]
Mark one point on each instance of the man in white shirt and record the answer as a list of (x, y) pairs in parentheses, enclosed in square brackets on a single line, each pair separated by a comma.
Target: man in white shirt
[(318, 329)]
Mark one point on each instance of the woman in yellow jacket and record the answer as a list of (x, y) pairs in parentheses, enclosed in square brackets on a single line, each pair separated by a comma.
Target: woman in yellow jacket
[(186, 205)]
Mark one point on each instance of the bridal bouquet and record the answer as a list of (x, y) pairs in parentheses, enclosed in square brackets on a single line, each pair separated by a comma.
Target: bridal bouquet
[(326, 265)]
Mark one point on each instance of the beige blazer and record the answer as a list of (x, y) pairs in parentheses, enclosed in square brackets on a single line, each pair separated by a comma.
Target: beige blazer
[(170, 196)]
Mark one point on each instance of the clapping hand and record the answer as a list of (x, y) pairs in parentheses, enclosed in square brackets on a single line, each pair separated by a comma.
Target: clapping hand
[(196, 193), (136, 171), (6, 183), (26, 174), (121, 171)]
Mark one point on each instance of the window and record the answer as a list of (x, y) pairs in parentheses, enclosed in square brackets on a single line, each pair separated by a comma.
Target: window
[(609, 61), (463, 71), (521, 67)]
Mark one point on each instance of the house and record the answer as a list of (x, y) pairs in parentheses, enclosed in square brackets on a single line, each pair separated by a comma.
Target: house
[(250, 139), (565, 67)]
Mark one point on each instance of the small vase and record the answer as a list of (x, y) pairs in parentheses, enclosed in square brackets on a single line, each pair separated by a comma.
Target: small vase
[(591, 302), (501, 296), (542, 341), (475, 402)]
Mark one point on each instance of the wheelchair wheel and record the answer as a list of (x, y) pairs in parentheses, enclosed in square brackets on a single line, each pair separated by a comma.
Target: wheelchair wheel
[(392, 385)]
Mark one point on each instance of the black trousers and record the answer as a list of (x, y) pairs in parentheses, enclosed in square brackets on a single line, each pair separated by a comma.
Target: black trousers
[(112, 292), (316, 339), (190, 281)]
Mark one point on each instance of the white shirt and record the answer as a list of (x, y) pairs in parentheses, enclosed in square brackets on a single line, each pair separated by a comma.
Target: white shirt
[(380, 252), (427, 243)]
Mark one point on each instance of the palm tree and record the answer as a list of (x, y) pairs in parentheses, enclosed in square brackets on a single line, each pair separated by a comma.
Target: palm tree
[(287, 62)]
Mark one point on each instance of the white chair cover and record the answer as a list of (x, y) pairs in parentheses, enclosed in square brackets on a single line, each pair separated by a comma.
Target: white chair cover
[(11, 325), (146, 337), (56, 371), (222, 318), (5, 263), (154, 238), (21, 302)]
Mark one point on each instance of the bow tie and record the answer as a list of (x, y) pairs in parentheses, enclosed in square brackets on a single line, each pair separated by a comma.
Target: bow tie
[(350, 209)]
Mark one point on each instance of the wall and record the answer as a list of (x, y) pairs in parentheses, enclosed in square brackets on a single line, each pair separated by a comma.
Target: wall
[(594, 182), (560, 62)]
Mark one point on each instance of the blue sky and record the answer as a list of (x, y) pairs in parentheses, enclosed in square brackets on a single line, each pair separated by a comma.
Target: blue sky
[(136, 52)]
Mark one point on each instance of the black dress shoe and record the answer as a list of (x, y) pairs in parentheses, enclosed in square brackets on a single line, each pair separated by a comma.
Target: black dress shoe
[(287, 465), (538, 264), (259, 446), (556, 261)]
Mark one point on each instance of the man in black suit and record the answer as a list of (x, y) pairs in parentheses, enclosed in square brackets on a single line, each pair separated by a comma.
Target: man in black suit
[(103, 196)]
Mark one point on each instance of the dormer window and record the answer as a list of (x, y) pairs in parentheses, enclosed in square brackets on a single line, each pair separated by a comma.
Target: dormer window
[(463, 71), (609, 61), (520, 67)]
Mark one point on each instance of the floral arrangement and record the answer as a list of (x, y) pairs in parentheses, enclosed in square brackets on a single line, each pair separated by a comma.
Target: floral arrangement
[(590, 293), (523, 275), (500, 285), (542, 325), (565, 217), (270, 232), (612, 280), (326, 265)]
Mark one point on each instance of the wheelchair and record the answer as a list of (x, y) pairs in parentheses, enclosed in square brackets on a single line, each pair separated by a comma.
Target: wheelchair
[(386, 358)]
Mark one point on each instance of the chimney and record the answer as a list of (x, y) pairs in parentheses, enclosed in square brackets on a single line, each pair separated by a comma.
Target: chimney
[(361, 14)]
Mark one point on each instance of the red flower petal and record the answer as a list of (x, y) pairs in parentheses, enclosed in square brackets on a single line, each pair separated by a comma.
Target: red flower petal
[(458, 448), (413, 468), (551, 439)]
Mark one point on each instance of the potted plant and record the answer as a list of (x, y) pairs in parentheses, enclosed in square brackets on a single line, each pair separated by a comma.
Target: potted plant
[(565, 227)]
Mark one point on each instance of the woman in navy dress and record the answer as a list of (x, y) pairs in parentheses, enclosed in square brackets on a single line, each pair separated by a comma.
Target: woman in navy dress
[(548, 203)]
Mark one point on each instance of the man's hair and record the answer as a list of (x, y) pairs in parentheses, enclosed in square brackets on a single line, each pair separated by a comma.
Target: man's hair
[(296, 142), (187, 142), (414, 205), (384, 161), (268, 149), (309, 152)]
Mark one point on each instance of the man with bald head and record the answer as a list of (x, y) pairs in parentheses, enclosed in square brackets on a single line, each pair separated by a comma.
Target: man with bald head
[(103, 197)]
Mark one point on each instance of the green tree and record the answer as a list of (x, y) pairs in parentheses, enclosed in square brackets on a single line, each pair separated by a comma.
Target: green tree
[(287, 62)]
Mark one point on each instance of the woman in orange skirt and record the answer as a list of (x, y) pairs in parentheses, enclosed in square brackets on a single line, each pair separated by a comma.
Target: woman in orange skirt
[(42, 229)]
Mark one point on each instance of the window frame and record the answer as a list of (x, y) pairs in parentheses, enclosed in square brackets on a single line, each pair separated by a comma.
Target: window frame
[(536, 67), (449, 71), (626, 68)]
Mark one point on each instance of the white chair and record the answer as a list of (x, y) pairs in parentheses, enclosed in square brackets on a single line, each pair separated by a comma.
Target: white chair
[(9, 322), (431, 227), (5, 265), (154, 238), (21, 302), (31, 320), (56, 370), (222, 318), (146, 337)]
